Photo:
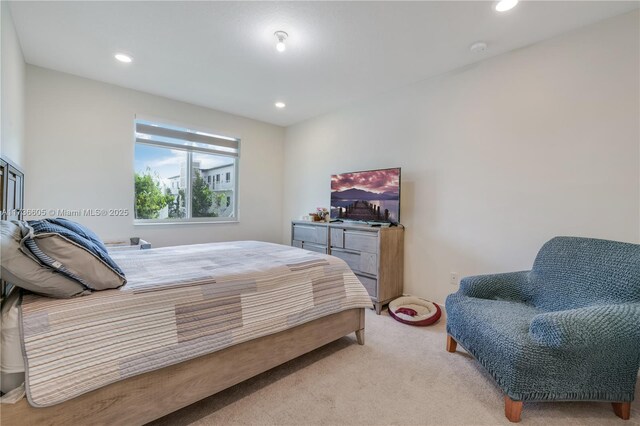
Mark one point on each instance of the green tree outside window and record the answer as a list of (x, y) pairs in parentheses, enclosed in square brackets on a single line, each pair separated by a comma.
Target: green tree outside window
[(202, 198), (149, 197)]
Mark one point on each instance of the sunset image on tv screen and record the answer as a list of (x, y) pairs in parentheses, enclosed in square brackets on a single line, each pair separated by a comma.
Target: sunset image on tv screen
[(367, 196)]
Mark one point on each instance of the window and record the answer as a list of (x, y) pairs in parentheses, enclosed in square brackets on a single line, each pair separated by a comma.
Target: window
[(228, 176), (174, 169)]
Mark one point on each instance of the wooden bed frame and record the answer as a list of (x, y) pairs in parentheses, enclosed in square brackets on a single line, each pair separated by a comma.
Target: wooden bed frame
[(141, 399)]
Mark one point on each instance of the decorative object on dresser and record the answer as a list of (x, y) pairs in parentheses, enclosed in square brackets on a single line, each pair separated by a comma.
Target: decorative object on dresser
[(323, 214), (375, 254)]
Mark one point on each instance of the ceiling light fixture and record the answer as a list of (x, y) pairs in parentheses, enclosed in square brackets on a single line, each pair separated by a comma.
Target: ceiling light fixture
[(281, 36), (123, 58), (478, 47), (504, 5), (280, 105)]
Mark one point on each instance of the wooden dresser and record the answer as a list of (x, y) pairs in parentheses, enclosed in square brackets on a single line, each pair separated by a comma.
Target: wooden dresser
[(375, 254)]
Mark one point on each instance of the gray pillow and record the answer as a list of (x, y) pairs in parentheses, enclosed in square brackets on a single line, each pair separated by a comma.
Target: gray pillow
[(79, 262), (23, 271)]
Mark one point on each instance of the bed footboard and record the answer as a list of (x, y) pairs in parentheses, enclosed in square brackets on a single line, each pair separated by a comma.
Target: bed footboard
[(143, 398)]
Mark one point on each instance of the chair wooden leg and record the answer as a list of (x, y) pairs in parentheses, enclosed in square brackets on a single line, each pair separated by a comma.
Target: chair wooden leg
[(451, 344), (512, 409), (622, 409)]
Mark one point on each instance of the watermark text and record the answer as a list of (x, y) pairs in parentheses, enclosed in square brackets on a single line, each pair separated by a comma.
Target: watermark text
[(64, 212)]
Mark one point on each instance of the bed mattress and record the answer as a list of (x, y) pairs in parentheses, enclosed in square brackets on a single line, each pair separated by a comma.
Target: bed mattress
[(179, 303)]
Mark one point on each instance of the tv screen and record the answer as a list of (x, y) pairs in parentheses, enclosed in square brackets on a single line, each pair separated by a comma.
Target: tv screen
[(371, 196)]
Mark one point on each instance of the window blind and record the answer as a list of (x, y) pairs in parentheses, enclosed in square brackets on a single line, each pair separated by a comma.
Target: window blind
[(185, 139)]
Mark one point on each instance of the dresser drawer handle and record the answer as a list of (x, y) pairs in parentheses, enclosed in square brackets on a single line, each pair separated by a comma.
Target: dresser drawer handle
[(341, 250)]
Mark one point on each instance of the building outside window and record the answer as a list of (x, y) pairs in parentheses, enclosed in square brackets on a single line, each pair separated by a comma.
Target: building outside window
[(175, 169)]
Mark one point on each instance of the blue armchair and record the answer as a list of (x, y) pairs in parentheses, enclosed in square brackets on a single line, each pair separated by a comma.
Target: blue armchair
[(568, 330)]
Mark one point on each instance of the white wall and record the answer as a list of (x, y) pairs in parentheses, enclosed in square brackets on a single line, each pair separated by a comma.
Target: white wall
[(496, 158), (12, 88), (80, 155)]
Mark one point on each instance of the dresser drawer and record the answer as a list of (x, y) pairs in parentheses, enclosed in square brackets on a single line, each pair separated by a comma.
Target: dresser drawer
[(352, 259), (310, 234), (337, 237), (361, 241), (370, 284), (314, 247), (358, 262)]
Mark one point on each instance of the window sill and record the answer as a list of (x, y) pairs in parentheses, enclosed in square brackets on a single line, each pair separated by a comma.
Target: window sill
[(184, 222)]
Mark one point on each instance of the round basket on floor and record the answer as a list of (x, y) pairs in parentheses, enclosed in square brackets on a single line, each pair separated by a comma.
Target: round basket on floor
[(414, 311)]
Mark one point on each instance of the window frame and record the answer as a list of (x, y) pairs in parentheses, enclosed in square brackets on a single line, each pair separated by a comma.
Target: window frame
[(189, 166)]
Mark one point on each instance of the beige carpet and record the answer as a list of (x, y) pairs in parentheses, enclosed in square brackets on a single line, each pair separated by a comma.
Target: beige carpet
[(402, 376)]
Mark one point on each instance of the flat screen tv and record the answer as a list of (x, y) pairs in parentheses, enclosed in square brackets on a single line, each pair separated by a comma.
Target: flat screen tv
[(369, 196)]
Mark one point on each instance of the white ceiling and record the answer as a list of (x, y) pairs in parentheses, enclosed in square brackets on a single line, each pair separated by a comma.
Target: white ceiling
[(222, 54)]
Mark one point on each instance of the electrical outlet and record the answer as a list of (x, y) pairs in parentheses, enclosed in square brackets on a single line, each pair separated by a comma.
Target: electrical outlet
[(453, 278)]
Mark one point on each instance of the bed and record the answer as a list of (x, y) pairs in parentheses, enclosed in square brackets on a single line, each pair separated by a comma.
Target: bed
[(190, 322)]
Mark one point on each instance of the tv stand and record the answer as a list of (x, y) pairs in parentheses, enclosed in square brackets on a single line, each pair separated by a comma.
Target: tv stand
[(374, 253)]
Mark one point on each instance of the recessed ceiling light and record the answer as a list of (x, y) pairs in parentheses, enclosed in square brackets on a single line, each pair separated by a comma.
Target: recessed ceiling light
[(123, 58), (504, 5), (281, 36), (280, 105), (478, 47)]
